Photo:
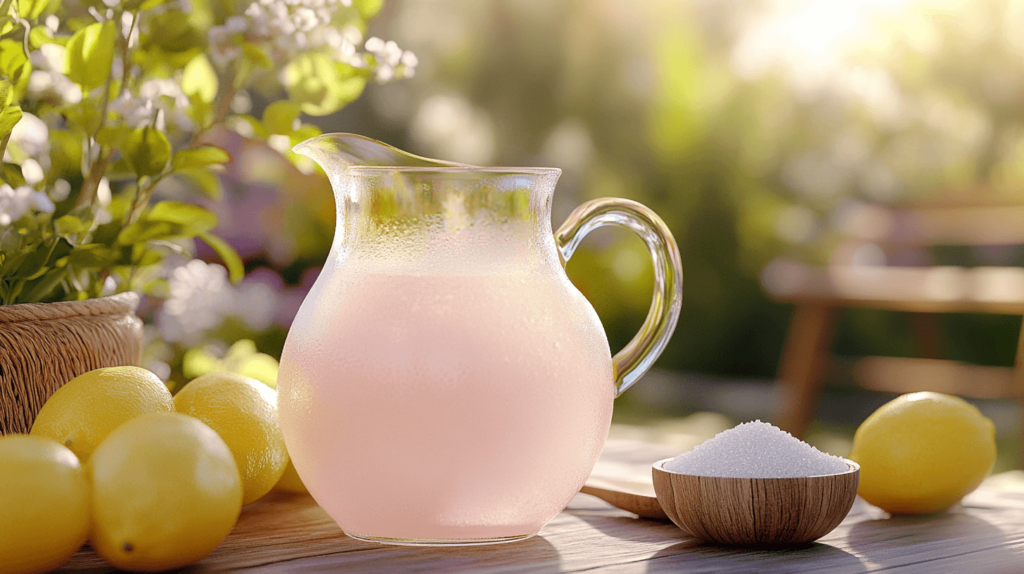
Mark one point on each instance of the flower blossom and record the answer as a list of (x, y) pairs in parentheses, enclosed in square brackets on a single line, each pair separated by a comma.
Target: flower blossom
[(48, 81), (389, 57), (201, 297), (291, 27), (155, 95), (30, 138), (15, 202)]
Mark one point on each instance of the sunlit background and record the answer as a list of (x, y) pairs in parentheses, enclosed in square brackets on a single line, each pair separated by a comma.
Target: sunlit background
[(760, 131)]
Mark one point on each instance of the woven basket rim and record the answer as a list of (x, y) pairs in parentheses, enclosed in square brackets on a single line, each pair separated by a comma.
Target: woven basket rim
[(120, 304)]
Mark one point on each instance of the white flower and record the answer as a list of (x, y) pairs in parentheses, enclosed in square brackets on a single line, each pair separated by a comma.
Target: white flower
[(32, 171), (48, 80), (199, 297), (30, 138), (49, 57), (155, 96), (279, 142), (374, 45), (385, 73), (389, 57), (136, 112), (61, 190), (15, 202), (290, 27), (235, 25)]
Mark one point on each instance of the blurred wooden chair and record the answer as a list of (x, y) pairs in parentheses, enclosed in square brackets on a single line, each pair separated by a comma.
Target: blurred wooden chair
[(904, 282)]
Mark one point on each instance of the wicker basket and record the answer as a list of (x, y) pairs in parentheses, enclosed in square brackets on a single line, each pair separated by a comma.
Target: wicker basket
[(44, 345)]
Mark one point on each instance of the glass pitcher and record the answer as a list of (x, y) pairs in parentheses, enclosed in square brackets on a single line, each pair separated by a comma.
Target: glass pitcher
[(444, 382)]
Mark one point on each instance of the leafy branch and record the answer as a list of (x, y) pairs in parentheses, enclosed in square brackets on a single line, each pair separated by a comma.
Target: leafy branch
[(128, 98)]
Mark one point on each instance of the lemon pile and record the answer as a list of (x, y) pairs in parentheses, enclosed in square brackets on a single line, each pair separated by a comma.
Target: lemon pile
[(154, 482)]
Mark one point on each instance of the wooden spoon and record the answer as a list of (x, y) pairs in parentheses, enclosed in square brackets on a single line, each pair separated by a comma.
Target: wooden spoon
[(641, 504)]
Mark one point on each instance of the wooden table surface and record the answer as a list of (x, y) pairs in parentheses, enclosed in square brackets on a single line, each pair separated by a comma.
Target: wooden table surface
[(287, 533)]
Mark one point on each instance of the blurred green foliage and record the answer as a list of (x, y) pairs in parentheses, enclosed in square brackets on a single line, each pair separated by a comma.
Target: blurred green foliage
[(106, 112), (749, 127)]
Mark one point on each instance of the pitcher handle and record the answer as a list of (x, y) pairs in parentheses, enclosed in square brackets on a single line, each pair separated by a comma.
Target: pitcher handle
[(636, 358)]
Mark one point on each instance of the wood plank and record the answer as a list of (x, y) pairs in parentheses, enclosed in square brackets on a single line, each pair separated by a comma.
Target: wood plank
[(913, 289), (961, 223), (908, 375), (804, 358), (286, 533)]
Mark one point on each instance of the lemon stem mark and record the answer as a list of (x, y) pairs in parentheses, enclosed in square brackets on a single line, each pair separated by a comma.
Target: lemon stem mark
[(127, 547)]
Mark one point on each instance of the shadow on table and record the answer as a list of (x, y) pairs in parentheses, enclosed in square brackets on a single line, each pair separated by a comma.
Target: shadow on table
[(700, 556), (945, 541), (633, 529), (531, 555), (688, 553)]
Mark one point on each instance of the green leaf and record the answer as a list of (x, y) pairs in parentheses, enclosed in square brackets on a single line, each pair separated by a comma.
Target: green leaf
[(147, 151), (14, 64), (190, 216), (368, 8), (70, 225), (158, 288), (236, 269), (305, 132), (41, 259), (176, 34), (5, 13), (280, 116), (11, 174), (143, 231), (198, 361), (256, 55), (93, 256), (113, 136), (207, 182), (31, 9), (9, 118), (38, 36), (6, 94), (12, 263), (320, 85), (144, 257), (150, 4), (12, 57), (89, 55), (83, 117), (43, 287), (200, 79), (65, 153), (199, 157)]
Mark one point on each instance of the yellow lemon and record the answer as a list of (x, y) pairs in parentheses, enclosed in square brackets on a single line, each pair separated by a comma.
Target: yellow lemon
[(243, 411), (44, 504), (165, 493), (290, 481), (84, 411), (922, 453)]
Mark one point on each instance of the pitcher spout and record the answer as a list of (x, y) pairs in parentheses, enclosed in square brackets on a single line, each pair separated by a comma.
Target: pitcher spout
[(337, 152)]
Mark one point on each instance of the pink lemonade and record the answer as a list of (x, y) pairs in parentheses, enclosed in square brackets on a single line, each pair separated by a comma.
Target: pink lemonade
[(445, 406)]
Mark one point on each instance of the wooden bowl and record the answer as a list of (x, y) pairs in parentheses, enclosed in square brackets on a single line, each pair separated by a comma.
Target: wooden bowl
[(756, 511)]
